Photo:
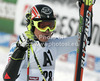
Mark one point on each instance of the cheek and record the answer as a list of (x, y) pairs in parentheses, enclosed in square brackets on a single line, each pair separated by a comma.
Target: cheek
[(37, 33)]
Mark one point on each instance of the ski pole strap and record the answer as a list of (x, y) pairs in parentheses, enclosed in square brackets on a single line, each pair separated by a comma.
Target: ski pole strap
[(86, 17), (41, 71), (85, 24)]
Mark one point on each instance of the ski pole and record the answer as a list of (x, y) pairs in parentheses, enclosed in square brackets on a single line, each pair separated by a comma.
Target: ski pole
[(41, 71), (28, 63)]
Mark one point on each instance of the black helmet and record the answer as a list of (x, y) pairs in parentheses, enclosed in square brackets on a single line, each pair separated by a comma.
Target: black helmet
[(40, 12)]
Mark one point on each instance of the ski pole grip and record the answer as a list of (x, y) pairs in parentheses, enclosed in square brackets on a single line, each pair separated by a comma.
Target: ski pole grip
[(89, 2)]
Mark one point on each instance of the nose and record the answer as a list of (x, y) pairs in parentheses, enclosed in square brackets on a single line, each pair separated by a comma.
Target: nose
[(47, 31)]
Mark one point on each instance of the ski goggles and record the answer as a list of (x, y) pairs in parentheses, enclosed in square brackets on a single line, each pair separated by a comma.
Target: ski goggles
[(44, 25)]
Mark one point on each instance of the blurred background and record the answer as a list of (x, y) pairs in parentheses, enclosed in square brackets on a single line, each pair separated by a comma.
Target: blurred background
[(12, 24)]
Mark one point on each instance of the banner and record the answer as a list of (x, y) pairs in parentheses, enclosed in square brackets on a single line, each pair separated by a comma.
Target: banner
[(7, 39), (7, 10), (92, 62), (4, 39)]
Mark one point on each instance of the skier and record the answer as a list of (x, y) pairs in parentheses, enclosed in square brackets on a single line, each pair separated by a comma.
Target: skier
[(33, 56)]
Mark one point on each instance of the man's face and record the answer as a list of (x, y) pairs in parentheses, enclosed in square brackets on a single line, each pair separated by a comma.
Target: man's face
[(43, 36)]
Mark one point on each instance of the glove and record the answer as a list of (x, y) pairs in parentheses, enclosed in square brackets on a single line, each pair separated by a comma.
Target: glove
[(89, 2), (25, 39), (86, 2)]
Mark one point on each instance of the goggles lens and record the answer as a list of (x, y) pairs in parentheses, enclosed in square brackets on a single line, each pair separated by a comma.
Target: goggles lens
[(43, 25)]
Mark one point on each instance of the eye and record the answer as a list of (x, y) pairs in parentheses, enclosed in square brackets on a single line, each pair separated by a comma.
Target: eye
[(40, 25)]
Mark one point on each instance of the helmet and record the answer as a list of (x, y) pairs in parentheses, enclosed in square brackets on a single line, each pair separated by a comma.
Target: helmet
[(39, 12)]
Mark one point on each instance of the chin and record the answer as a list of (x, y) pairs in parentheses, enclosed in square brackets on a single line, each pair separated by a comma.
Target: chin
[(43, 40)]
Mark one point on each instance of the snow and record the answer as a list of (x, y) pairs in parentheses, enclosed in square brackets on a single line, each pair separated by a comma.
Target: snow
[(95, 52), (64, 70)]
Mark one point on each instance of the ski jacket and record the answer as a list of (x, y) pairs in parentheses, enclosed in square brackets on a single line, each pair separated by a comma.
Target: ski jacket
[(16, 70)]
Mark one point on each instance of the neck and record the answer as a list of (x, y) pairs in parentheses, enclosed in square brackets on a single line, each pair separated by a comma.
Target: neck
[(36, 39)]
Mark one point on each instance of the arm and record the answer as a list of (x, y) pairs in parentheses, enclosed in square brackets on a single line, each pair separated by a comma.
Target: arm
[(13, 66), (66, 45)]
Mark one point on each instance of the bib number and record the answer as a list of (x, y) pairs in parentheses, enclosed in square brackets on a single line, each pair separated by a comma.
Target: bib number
[(47, 75)]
